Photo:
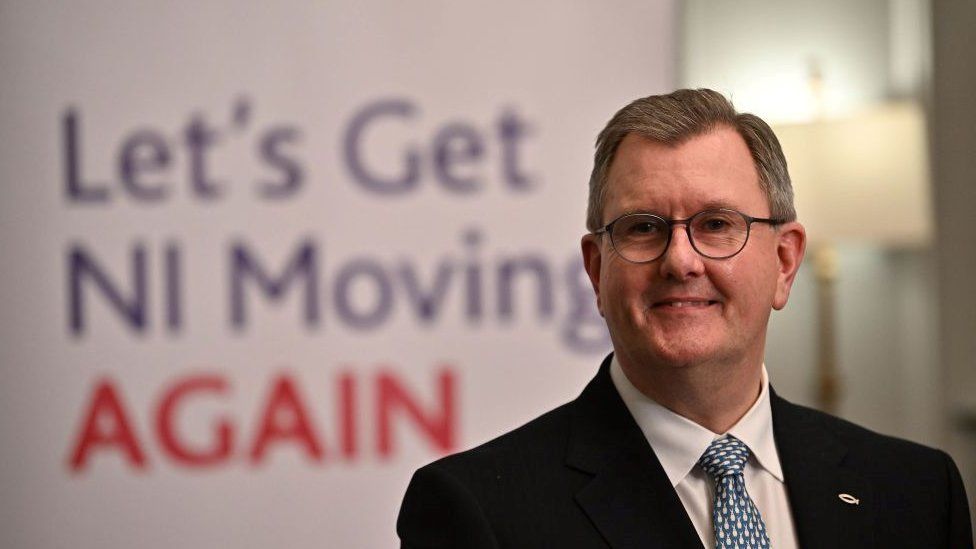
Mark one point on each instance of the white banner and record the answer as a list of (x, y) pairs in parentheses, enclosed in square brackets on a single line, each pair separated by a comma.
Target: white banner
[(263, 260)]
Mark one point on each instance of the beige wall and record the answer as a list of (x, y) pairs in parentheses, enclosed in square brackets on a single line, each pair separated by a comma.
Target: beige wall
[(954, 138)]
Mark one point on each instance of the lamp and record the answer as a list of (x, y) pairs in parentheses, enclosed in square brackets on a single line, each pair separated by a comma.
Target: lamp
[(864, 179)]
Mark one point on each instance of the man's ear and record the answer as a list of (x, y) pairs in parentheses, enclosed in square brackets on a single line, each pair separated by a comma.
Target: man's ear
[(592, 261), (790, 246)]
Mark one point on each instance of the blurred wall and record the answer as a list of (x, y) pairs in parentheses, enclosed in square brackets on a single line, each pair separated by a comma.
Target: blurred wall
[(760, 52), (954, 143)]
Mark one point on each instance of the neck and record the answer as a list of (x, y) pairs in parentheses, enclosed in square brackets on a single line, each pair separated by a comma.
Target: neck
[(713, 395)]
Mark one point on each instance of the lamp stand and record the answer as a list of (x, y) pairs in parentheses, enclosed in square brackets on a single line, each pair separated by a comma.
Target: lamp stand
[(828, 379)]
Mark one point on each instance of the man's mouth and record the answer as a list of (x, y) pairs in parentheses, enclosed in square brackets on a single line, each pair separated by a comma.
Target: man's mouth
[(684, 303)]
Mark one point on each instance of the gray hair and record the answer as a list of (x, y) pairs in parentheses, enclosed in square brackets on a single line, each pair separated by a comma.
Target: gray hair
[(677, 117)]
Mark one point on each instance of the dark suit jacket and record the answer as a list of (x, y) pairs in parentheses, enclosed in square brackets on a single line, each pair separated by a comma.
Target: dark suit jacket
[(583, 475)]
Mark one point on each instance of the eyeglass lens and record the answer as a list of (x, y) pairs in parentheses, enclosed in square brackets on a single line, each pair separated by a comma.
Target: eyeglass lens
[(714, 233)]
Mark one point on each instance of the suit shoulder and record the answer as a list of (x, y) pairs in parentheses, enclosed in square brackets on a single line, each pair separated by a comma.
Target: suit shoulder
[(515, 490), (875, 446), (917, 488), (542, 439)]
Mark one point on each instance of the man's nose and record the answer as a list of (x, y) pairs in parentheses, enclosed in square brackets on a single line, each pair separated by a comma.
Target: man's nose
[(680, 261)]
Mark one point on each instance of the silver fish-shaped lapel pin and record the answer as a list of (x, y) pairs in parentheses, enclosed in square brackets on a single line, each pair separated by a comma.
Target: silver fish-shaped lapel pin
[(847, 498)]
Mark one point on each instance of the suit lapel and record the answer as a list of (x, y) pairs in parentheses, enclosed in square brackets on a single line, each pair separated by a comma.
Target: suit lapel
[(812, 460), (630, 499)]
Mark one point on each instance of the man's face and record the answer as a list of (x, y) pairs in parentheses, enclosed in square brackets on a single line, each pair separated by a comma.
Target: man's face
[(683, 309)]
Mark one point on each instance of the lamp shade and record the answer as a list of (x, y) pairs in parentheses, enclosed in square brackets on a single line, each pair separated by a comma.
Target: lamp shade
[(862, 178)]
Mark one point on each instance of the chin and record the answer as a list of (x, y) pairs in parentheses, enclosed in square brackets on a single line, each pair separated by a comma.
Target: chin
[(682, 358), (683, 350), (669, 354)]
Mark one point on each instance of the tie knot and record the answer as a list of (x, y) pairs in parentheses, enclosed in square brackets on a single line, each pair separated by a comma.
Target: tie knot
[(725, 456)]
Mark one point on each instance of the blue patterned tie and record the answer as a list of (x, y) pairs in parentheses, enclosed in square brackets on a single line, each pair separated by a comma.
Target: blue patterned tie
[(736, 520)]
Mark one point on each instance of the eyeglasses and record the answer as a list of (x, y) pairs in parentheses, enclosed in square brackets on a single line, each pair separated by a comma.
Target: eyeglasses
[(715, 234)]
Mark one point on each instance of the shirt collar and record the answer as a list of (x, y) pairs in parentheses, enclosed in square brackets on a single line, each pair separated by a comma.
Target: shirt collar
[(678, 442)]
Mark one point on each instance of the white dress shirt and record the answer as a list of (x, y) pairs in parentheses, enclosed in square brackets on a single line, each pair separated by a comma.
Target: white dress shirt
[(678, 442)]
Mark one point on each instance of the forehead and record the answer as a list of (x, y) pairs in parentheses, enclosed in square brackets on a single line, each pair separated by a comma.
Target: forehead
[(714, 169)]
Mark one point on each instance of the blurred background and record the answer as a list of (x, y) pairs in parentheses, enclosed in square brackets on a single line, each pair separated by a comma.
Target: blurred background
[(262, 261)]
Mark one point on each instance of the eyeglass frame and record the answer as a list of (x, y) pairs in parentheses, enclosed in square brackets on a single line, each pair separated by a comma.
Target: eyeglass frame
[(608, 229)]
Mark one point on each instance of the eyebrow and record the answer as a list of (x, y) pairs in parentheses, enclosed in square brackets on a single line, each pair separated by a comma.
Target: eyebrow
[(710, 205)]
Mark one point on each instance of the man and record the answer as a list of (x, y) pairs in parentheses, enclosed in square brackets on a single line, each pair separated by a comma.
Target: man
[(679, 441)]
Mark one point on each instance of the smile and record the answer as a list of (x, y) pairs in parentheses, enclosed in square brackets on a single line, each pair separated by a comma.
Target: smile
[(685, 303)]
